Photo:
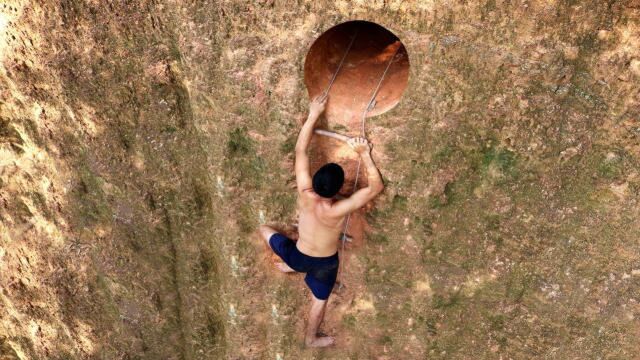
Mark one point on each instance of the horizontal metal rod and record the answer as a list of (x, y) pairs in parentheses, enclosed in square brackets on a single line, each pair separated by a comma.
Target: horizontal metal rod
[(333, 135)]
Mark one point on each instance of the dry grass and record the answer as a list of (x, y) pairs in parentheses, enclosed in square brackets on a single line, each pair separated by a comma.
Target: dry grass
[(141, 144)]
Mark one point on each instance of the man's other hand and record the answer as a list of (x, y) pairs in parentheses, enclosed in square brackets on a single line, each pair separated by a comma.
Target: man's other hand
[(359, 145), (317, 105)]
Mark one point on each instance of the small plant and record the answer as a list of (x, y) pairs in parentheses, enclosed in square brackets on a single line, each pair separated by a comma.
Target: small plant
[(239, 142)]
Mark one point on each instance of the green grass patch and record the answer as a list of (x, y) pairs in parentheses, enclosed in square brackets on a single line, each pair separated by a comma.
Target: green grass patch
[(442, 155), (289, 145), (339, 127), (446, 301), (518, 282), (239, 143), (504, 160), (92, 206), (492, 222), (610, 168), (399, 203), (281, 204), (242, 161), (247, 221), (385, 340), (378, 238), (349, 321), (439, 201)]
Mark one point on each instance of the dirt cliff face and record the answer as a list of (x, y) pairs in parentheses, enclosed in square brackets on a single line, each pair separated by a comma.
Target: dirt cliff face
[(142, 143), (107, 225)]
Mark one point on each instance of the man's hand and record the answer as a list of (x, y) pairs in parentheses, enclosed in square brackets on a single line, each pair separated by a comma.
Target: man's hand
[(359, 145), (374, 181), (317, 106)]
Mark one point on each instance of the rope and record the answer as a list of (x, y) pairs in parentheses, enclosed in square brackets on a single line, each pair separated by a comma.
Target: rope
[(335, 74), (370, 106)]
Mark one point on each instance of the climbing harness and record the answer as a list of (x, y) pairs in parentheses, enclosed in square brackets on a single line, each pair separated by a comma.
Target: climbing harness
[(370, 105)]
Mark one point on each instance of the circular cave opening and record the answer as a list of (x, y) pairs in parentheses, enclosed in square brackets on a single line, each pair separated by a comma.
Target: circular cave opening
[(367, 49)]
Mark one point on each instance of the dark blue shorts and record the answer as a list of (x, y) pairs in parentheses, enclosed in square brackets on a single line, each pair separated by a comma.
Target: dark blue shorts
[(321, 271)]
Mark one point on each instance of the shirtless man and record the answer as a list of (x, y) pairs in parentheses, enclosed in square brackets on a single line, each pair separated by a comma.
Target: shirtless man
[(321, 219)]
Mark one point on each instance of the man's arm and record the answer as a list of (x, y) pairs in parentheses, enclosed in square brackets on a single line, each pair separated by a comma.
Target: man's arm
[(303, 178), (366, 194)]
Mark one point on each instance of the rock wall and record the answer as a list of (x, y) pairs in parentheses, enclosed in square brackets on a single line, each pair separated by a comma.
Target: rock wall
[(142, 144), (106, 208)]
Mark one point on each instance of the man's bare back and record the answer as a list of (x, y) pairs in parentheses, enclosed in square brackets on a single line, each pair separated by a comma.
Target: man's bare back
[(318, 232)]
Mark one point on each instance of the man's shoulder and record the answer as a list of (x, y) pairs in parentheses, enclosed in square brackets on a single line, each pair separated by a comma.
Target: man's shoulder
[(329, 211), (306, 198), (306, 194)]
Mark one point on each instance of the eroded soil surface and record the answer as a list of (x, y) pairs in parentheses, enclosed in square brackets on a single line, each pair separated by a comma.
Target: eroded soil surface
[(141, 144)]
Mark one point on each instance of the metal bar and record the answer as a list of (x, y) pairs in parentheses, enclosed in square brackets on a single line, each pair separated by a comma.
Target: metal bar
[(331, 134)]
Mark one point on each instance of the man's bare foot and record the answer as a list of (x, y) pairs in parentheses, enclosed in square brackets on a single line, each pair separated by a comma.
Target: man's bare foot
[(284, 267), (322, 341)]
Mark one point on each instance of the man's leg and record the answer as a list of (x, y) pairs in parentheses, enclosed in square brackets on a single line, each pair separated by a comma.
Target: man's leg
[(266, 232), (315, 318)]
